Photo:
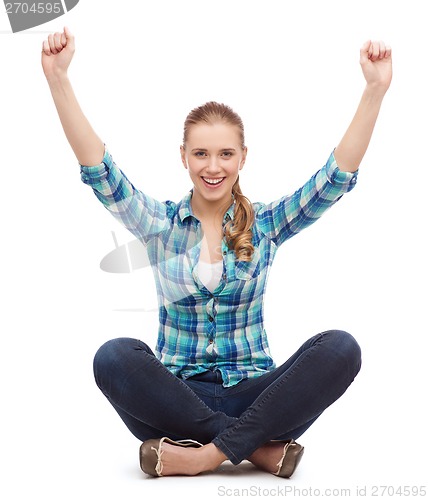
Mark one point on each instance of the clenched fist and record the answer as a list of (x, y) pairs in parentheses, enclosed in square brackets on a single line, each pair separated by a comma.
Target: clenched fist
[(376, 63), (57, 52)]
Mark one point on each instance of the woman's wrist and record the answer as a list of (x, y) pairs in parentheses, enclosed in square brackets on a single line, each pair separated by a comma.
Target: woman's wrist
[(57, 77), (376, 90)]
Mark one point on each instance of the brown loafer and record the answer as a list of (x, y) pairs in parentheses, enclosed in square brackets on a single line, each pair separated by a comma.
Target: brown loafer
[(151, 452), (290, 459)]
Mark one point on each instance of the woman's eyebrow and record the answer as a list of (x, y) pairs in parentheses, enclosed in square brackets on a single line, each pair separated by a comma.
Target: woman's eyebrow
[(223, 149)]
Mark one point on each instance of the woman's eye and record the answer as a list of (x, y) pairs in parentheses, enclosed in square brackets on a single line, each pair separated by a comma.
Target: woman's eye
[(228, 154)]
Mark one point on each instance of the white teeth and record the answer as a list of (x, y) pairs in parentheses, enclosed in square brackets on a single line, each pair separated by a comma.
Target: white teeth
[(212, 181)]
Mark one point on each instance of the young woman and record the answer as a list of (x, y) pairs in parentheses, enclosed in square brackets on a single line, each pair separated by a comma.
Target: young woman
[(211, 391)]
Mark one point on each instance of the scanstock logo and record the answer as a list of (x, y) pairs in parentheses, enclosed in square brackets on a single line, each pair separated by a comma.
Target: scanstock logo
[(25, 15)]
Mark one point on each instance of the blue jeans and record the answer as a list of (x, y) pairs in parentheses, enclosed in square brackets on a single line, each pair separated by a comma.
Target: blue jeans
[(280, 404)]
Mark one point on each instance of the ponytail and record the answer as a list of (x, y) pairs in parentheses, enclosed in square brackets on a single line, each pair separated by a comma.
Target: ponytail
[(238, 232)]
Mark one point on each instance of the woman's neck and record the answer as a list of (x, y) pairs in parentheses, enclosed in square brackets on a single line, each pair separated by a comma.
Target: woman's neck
[(209, 211)]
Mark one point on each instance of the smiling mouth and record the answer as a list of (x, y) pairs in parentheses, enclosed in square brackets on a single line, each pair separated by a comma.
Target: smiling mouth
[(213, 182)]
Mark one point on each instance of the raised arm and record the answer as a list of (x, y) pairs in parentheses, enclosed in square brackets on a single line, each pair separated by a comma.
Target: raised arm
[(376, 63), (57, 52)]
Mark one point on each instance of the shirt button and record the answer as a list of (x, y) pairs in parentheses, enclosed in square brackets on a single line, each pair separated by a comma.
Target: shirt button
[(210, 318), (225, 253), (211, 341), (223, 276)]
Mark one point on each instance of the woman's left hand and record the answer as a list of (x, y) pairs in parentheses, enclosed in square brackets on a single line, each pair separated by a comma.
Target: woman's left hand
[(376, 63)]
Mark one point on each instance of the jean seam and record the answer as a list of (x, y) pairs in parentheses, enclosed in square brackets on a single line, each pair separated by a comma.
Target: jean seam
[(226, 450)]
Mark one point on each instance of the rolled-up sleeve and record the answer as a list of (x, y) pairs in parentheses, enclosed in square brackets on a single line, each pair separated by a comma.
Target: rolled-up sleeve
[(139, 213), (285, 217)]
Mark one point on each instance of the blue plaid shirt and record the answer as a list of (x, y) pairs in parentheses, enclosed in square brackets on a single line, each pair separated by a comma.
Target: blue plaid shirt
[(200, 330)]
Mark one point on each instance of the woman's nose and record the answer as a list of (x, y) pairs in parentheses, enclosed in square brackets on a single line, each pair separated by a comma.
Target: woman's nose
[(213, 165)]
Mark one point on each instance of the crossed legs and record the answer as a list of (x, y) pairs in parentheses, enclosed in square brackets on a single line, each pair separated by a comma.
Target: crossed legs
[(154, 403)]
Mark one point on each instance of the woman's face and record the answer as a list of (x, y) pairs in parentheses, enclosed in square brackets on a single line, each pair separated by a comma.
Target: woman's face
[(213, 157)]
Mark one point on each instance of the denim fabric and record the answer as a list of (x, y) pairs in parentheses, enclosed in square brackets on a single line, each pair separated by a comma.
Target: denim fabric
[(282, 404)]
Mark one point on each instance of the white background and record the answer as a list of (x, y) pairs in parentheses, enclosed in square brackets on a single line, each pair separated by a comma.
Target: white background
[(291, 70)]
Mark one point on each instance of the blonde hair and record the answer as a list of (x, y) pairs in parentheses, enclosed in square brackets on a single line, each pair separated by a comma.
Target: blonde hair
[(237, 232)]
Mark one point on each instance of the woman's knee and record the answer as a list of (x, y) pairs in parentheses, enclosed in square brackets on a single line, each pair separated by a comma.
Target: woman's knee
[(346, 346), (113, 356)]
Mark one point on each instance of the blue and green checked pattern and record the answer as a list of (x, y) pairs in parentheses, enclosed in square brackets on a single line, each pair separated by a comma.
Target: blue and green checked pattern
[(200, 330)]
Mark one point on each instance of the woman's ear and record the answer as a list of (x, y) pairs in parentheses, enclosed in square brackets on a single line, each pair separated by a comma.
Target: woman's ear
[(183, 156), (244, 157)]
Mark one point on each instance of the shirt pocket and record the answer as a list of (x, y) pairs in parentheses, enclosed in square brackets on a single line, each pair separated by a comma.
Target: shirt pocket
[(248, 270)]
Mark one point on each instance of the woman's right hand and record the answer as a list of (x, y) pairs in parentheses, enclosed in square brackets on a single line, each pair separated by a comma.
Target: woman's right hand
[(57, 52)]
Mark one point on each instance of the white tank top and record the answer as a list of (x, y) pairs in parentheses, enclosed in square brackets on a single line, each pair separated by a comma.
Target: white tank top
[(210, 274)]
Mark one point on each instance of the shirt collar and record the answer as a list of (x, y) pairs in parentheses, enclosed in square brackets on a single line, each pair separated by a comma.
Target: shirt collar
[(185, 209)]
